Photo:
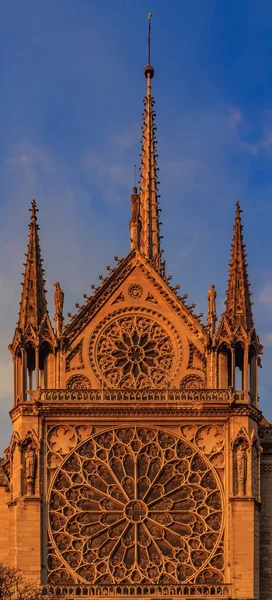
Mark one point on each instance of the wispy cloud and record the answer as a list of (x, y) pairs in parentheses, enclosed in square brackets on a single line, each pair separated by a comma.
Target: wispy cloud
[(265, 295), (101, 171), (263, 145), (267, 339), (243, 129), (235, 118)]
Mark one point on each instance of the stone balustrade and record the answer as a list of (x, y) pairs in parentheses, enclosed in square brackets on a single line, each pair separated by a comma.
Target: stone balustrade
[(142, 396), (187, 592)]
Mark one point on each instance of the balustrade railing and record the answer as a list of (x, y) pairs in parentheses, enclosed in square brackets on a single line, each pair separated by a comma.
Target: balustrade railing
[(189, 591), (164, 396)]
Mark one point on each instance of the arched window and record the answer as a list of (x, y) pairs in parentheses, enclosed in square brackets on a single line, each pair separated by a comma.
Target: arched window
[(30, 365), (224, 366), (239, 366), (44, 354), (252, 368)]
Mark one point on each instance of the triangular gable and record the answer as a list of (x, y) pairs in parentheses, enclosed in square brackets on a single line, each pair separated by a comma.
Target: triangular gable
[(110, 288), (224, 331), (240, 334), (46, 331)]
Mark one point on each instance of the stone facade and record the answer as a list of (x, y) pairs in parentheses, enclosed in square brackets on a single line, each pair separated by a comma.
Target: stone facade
[(140, 463)]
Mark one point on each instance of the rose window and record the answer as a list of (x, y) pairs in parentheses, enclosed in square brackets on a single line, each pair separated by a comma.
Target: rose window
[(136, 505), (134, 351)]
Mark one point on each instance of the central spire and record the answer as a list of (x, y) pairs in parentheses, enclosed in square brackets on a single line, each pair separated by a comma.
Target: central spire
[(149, 230)]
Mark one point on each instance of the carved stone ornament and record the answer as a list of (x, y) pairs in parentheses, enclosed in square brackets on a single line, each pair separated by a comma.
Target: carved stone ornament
[(74, 360), (135, 290), (135, 351), (192, 382), (30, 469), (241, 459), (78, 382), (135, 505)]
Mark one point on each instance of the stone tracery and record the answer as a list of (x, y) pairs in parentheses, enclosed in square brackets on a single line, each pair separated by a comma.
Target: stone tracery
[(80, 382), (134, 351), (136, 505)]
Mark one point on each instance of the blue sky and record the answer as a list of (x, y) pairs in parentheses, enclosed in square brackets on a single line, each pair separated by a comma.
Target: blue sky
[(72, 83)]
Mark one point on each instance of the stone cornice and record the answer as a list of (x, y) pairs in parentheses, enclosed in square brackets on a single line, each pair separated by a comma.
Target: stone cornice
[(156, 411)]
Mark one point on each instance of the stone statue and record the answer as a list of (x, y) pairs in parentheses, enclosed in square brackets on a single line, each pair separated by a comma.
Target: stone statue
[(58, 299), (212, 307), (30, 467), (211, 299), (241, 459), (134, 206)]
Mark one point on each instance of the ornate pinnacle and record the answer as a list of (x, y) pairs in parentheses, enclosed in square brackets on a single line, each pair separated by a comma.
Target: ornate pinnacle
[(238, 304), (33, 304)]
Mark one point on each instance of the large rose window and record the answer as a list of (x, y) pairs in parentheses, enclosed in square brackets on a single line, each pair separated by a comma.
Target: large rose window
[(136, 505), (133, 351)]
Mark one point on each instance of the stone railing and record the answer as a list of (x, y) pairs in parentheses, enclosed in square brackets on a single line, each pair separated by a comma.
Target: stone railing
[(121, 396), (189, 591)]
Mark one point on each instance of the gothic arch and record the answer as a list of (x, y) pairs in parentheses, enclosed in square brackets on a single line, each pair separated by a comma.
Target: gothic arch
[(224, 365), (239, 365)]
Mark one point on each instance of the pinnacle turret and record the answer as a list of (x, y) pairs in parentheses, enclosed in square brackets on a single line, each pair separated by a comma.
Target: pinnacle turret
[(33, 305), (238, 304)]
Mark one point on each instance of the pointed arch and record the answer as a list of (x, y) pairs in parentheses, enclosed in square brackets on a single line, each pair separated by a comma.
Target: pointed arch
[(224, 365), (239, 379)]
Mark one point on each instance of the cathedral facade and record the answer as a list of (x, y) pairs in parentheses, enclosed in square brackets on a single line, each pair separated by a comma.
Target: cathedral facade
[(139, 463)]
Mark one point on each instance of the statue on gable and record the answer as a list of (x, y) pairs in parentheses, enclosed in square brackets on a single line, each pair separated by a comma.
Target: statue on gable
[(58, 301), (212, 308)]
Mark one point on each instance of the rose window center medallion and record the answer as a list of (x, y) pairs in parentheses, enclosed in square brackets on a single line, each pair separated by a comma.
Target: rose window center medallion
[(135, 511), (133, 351), (135, 505)]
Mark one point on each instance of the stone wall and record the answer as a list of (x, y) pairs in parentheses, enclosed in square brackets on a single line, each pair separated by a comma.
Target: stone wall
[(4, 526), (266, 515)]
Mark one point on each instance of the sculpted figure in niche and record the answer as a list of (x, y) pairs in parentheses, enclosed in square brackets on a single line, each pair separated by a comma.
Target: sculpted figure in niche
[(30, 468), (241, 459), (58, 299)]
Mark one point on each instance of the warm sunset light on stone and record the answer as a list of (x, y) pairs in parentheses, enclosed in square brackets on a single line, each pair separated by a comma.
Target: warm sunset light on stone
[(140, 463)]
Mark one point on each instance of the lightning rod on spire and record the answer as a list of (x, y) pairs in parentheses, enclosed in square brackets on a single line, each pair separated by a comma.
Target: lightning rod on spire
[(149, 37)]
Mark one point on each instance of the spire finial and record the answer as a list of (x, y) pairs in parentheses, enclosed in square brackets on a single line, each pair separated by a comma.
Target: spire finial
[(149, 37)]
